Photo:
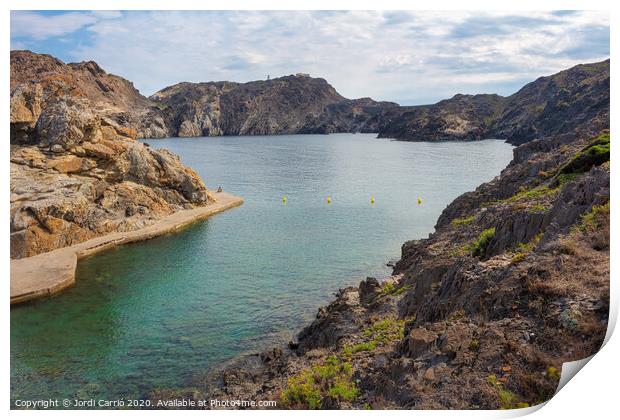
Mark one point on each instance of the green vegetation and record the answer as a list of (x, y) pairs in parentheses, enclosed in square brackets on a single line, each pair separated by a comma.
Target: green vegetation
[(562, 179), (591, 220), (508, 399), (538, 208), (455, 316), (595, 154), (392, 289), (329, 379), (523, 249), (460, 221), (356, 348), (379, 334), (564, 176), (553, 373), (479, 246), (333, 377), (474, 345), (518, 257), (385, 331), (529, 247), (533, 193)]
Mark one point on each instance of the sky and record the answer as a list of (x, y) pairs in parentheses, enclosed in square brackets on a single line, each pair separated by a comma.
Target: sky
[(409, 57)]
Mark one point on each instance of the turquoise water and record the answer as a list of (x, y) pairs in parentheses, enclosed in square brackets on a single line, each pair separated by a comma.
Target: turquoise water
[(162, 312)]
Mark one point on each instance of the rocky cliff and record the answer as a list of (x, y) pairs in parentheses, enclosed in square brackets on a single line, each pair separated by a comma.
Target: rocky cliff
[(76, 169), (550, 105), (285, 105)]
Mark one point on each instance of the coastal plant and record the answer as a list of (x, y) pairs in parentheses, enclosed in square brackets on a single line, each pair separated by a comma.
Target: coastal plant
[(553, 373), (525, 193), (480, 245), (455, 316), (538, 208), (385, 331), (461, 221), (331, 378), (359, 347), (595, 154), (377, 335), (474, 344), (523, 249), (507, 399), (544, 190), (592, 220), (388, 289), (518, 257), (393, 290)]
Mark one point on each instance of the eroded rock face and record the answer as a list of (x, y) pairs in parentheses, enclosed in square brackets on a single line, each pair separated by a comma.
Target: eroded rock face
[(549, 106), (75, 172), (285, 105)]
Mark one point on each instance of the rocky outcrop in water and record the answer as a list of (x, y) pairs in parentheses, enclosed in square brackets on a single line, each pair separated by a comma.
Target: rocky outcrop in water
[(76, 173)]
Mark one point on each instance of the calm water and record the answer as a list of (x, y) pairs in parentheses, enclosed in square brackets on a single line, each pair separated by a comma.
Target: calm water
[(158, 313)]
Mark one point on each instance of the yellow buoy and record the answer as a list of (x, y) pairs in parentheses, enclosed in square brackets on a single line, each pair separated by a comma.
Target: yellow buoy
[(419, 200), (329, 200), (372, 200), (284, 200)]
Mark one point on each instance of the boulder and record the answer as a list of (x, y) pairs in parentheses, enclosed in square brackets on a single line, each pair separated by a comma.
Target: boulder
[(420, 341)]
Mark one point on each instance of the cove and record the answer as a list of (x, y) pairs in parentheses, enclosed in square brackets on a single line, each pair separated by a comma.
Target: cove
[(160, 313)]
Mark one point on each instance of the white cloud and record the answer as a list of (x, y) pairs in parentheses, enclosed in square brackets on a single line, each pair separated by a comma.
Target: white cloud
[(418, 56), (36, 26)]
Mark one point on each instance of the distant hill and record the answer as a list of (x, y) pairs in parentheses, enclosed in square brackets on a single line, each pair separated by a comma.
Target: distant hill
[(550, 105), (300, 104)]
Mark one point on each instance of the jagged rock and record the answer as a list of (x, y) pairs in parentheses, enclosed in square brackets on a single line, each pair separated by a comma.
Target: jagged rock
[(429, 375), (419, 342), (368, 290)]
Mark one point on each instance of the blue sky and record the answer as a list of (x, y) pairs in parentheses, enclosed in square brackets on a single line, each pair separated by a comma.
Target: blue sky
[(409, 57)]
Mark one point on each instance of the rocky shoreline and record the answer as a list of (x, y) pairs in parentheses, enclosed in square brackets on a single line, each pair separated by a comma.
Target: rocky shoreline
[(481, 315)]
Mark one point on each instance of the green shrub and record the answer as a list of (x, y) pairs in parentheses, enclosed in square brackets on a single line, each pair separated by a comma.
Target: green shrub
[(591, 220), (356, 348), (392, 289), (553, 373), (331, 378), (377, 335), (460, 221), (507, 399), (538, 208), (595, 154), (474, 345), (518, 257), (479, 246), (385, 331)]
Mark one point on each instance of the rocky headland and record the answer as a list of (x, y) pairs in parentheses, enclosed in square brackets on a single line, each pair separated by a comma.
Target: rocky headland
[(548, 106), (77, 172), (296, 104)]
